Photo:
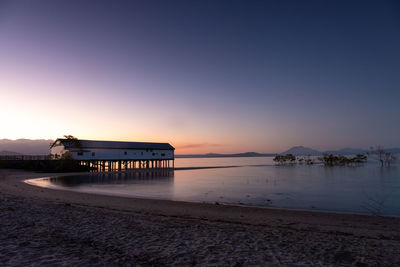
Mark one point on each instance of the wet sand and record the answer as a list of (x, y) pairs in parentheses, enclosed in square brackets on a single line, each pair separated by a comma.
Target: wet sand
[(42, 226)]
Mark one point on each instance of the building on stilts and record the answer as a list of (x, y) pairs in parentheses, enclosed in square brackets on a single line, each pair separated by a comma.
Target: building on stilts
[(115, 155)]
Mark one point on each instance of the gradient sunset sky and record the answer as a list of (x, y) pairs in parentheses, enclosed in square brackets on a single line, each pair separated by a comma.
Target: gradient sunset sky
[(206, 76)]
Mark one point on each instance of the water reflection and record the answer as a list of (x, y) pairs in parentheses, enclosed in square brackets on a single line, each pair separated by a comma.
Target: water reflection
[(114, 178), (368, 189)]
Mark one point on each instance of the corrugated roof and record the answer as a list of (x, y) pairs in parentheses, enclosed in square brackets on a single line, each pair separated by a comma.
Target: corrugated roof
[(114, 144)]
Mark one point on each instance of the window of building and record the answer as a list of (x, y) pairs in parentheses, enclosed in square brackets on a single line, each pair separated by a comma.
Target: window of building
[(142, 153), (93, 154), (154, 154), (162, 154), (80, 153), (125, 153)]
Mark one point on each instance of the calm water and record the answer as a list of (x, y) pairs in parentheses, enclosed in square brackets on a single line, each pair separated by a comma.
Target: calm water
[(367, 189)]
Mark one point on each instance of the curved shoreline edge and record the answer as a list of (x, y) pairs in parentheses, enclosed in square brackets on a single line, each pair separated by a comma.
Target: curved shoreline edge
[(57, 227), (12, 182), (31, 181)]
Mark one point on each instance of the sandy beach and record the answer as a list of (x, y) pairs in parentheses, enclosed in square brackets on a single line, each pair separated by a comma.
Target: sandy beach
[(42, 226)]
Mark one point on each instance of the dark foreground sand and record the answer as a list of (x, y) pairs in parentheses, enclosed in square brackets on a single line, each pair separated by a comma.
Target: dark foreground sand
[(51, 227)]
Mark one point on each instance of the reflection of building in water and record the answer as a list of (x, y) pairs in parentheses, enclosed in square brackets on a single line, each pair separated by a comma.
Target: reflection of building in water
[(142, 176), (112, 155)]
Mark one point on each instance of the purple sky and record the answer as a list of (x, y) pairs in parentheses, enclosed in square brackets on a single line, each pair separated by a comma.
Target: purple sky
[(206, 76)]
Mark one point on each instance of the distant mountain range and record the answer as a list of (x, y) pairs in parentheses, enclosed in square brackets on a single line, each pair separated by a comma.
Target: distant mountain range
[(41, 147), (347, 151), (25, 146), (301, 150), (216, 155), (296, 150)]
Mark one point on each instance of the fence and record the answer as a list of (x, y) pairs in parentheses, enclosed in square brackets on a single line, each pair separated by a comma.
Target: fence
[(25, 157)]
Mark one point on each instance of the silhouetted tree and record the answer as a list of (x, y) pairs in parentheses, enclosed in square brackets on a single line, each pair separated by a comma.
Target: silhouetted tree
[(309, 160), (283, 159), (332, 160), (279, 159), (71, 138), (379, 150), (383, 156)]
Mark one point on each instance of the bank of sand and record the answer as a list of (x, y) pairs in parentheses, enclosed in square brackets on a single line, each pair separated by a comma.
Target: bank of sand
[(45, 226)]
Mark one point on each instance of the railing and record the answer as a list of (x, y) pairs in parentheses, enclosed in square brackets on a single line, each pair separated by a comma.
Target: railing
[(25, 157)]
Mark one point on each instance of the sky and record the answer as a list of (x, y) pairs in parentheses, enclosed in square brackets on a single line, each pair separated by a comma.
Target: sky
[(205, 76)]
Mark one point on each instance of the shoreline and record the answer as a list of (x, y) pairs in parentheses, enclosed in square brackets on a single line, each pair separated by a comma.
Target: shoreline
[(57, 187), (61, 188), (170, 207), (353, 238)]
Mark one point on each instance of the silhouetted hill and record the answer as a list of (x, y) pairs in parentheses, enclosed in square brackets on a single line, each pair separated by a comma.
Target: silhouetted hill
[(216, 155), (346, 151), (301, 151), (297, 151), (26, 146)]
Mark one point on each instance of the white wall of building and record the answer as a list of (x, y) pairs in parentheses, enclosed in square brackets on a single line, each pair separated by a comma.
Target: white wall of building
[(122, 154), (57, 151)]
